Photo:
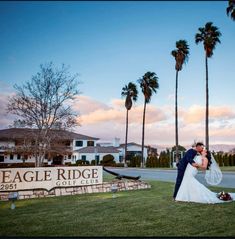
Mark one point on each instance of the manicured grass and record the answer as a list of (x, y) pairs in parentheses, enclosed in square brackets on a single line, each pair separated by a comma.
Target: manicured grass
[(228, 168), (149, 212)]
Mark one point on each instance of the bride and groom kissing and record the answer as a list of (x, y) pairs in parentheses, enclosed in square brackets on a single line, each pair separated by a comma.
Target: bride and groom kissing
[(187, 187)]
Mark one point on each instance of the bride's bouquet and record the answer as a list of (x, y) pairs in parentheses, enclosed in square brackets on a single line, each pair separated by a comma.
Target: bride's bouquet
[(224, 196)]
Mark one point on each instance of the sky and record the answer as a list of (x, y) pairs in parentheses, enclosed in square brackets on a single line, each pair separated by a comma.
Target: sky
[(111, 43)]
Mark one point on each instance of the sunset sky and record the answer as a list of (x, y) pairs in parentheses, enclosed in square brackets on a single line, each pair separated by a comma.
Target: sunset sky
[(112, 43)]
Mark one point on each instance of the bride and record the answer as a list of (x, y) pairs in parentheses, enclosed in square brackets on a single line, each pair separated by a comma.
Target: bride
[(191, 190)]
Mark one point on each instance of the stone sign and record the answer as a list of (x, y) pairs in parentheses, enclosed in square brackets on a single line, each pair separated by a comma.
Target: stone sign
[(14, 179)]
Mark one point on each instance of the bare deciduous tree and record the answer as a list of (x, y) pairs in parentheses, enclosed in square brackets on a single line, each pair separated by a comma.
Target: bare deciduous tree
[(44, 103)]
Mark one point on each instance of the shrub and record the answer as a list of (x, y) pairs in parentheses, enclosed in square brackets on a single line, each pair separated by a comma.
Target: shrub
[(135, 161), (233, 160), (164, 159), (108, 160), (68, 164), (17, 165), (218, 158), (119, 164), (226, 160), (94, 163), (152, 162), (81, 162)]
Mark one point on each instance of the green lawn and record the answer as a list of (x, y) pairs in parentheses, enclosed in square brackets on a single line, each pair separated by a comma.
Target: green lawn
[(228, 168), (149, 212)]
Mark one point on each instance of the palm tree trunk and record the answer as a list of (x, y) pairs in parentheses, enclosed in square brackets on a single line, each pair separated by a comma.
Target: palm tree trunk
[(142, 150), (176, 119), (207, 106), (125, 153)]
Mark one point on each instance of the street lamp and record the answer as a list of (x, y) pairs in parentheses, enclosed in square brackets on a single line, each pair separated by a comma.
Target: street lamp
[(13, 196), (114, 189)]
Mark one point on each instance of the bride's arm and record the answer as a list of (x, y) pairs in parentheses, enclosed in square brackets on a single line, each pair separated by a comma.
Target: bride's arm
[(204, 160), (203, 166)]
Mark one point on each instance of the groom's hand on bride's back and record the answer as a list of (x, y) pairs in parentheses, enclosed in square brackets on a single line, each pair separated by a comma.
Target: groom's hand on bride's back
[(195, 165)]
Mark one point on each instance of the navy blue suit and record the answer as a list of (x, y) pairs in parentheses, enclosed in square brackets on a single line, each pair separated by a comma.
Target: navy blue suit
[(188, 158)]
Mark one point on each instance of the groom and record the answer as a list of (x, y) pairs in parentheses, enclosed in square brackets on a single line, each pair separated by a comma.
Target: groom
[(188, 158)]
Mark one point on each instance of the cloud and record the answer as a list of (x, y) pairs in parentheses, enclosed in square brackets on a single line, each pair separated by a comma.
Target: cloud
[(118, 103), (161, 133), (117, 113), (108, 120), (160, 129), (196, 113), (85, 105), (5, 118), (101, 115)]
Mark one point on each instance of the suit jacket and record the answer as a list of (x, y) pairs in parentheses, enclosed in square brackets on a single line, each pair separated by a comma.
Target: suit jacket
[(188, 158)]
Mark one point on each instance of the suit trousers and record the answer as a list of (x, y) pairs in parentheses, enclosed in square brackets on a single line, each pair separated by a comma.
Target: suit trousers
[(179, 178)]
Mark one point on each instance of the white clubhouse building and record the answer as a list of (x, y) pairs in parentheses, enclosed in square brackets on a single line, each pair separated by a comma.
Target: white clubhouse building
[(70, 147)]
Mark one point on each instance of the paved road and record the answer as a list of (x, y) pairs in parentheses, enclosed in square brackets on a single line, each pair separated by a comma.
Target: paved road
[(228, 180)]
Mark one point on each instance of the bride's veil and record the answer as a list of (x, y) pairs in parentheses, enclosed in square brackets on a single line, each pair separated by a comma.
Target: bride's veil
[(213, 175)]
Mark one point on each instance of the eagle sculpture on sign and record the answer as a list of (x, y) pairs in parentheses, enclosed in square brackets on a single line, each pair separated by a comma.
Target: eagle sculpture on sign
[(119, 176)]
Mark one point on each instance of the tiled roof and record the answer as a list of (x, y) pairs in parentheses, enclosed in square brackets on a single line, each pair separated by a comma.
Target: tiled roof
[(97, 149), (20, 133), (130, 144)]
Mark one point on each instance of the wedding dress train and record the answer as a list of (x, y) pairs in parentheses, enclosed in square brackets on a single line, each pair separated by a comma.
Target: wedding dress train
[(191, 190)]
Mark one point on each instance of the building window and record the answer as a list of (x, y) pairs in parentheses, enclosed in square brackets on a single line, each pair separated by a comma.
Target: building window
[(97, 159), (11, 156), (84, 157), (1, 158), (18, 156), (79, 143), (69, 156), (90, 143)]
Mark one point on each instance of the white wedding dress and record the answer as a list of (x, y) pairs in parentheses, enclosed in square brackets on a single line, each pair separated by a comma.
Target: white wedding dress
[(191, 190)]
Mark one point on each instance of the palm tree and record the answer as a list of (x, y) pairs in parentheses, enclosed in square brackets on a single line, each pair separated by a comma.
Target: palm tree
[(131, 93), (148, 84), (181, 56), (231, 9), (209, 35)]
